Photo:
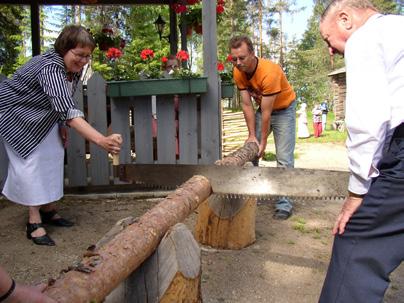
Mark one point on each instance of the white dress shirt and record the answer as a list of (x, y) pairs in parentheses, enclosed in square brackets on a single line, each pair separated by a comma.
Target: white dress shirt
[(374, 57)]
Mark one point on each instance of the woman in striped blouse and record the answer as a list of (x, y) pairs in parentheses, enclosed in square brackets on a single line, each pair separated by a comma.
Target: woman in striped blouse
[(34, 105)]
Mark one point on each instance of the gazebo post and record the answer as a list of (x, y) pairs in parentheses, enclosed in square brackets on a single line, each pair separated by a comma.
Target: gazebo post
[(35, 31), (210, 112)]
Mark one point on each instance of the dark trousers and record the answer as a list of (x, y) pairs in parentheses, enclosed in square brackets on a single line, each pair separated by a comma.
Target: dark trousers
[(373, 243)]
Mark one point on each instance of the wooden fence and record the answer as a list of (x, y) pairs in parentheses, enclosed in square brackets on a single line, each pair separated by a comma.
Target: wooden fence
[(234, 131), (131, 116)]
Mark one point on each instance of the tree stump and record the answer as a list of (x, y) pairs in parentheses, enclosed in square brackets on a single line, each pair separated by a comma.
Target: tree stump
[(228, 223), (171, 274)]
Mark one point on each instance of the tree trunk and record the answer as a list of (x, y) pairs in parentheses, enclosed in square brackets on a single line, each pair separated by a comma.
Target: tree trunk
[(102, 269), (228, 222)]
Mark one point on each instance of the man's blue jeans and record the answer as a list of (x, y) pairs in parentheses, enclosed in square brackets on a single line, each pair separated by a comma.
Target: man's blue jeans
[(283, 126)]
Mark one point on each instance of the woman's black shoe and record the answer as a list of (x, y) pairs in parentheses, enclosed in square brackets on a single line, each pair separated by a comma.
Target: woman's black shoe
[(42, 240), (48, 218)]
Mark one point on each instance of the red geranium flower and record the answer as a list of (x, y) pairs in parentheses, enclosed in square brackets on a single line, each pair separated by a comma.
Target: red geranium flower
[(182, 55), (114, 53), (229, 58), (220, 66), (219, 9), (164, 59), (147, 54), (220, 2), (179, 8)]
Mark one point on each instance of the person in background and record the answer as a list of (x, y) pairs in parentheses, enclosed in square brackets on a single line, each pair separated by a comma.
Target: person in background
[(302, 129), (324, 109), (317, 125), (12, 292), (265, 82), (369, 237), (36, 105)]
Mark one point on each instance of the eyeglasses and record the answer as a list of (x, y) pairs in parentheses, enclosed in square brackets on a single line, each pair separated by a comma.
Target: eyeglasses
[(81, 57), (235, 59)]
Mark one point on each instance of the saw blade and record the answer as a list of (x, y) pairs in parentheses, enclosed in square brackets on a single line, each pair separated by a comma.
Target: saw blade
[(236, 181)]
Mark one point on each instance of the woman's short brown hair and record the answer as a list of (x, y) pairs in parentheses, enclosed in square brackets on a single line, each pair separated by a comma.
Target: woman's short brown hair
[(72, 36)]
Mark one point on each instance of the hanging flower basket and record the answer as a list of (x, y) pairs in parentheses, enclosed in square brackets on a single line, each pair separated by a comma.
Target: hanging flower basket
[(227, 89), (107, 39)]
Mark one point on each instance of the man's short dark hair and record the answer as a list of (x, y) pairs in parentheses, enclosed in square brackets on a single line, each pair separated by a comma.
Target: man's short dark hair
[(236, 42), (71, 37)]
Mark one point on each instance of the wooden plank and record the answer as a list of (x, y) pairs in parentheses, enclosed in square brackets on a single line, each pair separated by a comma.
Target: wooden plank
[(140, 286), (97, 117), (166, 129), (76, 170), (143, 129), (171, 274), (210, 104), (188, 130), (120, 125)]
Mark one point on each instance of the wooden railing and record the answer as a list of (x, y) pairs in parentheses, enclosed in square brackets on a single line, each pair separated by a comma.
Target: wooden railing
[(131, 116)]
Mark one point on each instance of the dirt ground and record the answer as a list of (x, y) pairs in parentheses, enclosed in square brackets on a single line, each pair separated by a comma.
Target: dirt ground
[(286, 264)]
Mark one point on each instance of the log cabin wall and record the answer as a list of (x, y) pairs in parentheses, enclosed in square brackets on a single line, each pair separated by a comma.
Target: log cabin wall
[(338, 82)]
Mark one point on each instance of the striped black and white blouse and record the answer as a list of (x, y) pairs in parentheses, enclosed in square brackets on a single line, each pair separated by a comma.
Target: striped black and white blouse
[(37, 97)]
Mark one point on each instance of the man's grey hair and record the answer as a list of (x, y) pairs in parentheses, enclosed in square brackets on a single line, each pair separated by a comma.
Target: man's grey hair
[(339, 4)]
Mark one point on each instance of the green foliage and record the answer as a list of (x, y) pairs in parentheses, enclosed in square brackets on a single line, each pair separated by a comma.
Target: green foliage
[(387, 6), (309, 64), (234, 21), (10, 37)]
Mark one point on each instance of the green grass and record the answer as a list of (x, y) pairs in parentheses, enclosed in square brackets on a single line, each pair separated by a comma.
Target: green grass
[(328, 136), (270, 156)]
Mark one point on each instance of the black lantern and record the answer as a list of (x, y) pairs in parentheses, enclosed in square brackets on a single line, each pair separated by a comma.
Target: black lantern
[(160, 24)]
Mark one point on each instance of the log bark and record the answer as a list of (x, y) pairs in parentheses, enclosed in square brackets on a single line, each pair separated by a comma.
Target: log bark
[(101, 271), (224, 222), (241, 156)]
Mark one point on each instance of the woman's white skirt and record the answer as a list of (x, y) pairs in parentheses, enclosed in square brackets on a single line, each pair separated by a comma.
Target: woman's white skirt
[(37, 180)]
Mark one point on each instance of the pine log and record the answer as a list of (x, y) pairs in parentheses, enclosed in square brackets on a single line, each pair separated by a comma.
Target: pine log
[(101, 271), (228, 223), (241, 156), (171, 274)]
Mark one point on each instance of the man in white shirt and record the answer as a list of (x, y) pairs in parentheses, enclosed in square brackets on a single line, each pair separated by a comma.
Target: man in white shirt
[(369, 238)]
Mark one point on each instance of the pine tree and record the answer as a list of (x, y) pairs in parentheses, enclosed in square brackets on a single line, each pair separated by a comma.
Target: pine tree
[(10, 36)]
